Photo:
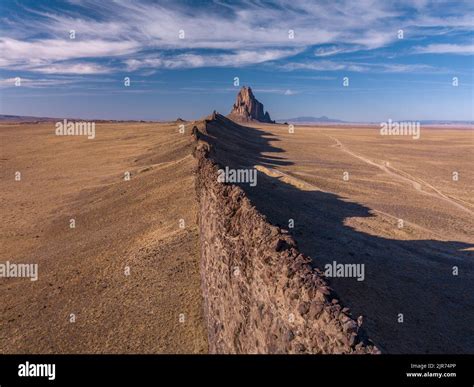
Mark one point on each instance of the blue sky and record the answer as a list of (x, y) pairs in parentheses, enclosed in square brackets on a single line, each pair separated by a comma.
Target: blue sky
[(182, 57)]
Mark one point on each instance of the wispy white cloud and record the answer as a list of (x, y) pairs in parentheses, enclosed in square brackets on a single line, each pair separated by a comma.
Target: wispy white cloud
[(45, 56), (224, 59), (459, 49), (33, 83), (323, 65), (73, 68), (58, 49), (327, 65), (145, 35), (328, 51)]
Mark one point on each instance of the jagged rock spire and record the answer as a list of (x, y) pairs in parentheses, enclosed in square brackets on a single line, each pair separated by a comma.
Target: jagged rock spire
[(248, 108)]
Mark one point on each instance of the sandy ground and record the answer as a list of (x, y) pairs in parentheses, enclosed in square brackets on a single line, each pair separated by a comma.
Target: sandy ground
[(118, 224), (408, 269)]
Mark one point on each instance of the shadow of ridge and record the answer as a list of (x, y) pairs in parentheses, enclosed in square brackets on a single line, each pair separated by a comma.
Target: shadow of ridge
[(233, 144), (413, 278)]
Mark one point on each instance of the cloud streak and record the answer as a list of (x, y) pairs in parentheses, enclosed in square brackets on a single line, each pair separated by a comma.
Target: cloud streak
[(458, 49), (129, 35), (328, 65)]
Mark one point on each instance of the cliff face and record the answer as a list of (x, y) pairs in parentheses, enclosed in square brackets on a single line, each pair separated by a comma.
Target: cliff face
[(260, 293), (247, 108)]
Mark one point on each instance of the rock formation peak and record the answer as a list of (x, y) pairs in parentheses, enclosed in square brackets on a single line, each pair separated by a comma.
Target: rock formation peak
[(247, 108)]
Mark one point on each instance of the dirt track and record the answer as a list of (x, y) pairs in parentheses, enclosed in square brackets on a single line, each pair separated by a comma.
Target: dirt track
[(419, 184)]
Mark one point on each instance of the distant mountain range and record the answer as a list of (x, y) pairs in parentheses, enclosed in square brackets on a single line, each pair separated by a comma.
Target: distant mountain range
[(324, 119), (5, 117), (445, 122), (295, 120), (12, 118)]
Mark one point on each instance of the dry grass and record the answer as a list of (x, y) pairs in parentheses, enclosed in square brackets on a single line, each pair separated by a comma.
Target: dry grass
[(118, 223), (135, 223)]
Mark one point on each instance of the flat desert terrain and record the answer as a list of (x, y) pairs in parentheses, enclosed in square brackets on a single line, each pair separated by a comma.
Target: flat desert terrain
[(128, 273), (390, 203), (398, 211)]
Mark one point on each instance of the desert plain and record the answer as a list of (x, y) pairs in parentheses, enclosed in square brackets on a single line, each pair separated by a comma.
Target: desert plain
[(128, 272), (125, 278)]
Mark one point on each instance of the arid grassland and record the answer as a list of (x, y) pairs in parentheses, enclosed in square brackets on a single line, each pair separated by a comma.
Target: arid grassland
[(126, 278), (127, 271)]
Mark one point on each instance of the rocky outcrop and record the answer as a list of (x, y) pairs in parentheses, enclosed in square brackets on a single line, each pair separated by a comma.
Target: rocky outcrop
[(260, 293), (247, 108)]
